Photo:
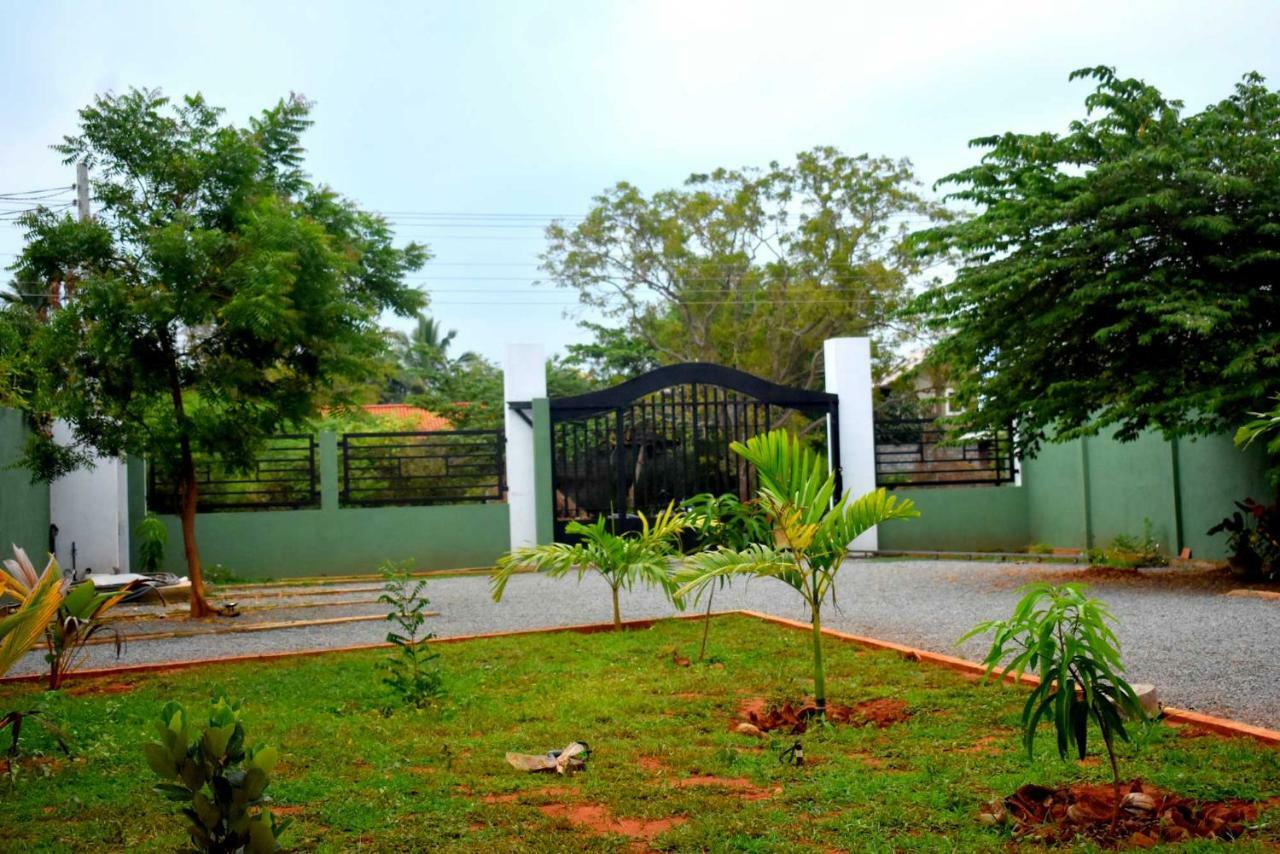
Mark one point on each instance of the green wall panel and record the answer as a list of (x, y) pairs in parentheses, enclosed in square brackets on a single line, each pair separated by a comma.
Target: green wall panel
[(961, 518), (1055, 489), (1130, 482), (1213, 473), (354, 540), (1082, 494), (24, 506)]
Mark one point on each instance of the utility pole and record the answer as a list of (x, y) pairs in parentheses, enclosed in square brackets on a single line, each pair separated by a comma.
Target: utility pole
[(82, 190)]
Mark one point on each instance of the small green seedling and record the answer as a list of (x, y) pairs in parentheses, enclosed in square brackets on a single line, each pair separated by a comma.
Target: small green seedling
[(413, 670), (1065, 638)]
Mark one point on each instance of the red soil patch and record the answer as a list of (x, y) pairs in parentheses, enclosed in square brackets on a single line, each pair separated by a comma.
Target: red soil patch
[(1148, 817), (746, 790), (292, 810), (598, 820), (881, 712), (1192, 577), (650, 763)]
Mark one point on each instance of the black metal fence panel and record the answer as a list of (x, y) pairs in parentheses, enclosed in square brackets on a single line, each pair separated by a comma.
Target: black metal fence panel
[(285, 476), (918, 452), (422, 468)]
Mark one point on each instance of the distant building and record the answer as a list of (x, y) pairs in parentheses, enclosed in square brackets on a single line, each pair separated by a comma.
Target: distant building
[(411, 417)]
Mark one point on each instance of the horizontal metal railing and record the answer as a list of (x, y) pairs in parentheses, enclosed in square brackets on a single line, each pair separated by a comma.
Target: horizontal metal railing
[(917, 452), (284, 476), (422, 467)]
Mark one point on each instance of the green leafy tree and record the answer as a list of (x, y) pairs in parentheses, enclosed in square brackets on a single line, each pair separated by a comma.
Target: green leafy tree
[(614, 356), (812, 531), (643, 556), (1120, 273), (217, 297), (1065, 638), (751, 268), (468, 393)]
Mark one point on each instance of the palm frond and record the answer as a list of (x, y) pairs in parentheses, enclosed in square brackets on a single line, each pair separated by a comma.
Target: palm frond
[(20, 630), (701, 570)]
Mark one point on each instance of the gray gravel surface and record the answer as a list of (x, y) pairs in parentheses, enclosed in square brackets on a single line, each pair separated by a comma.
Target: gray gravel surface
[(1203, 650)]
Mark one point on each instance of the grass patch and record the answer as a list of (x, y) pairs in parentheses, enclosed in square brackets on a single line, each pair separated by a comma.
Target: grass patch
[(354, 775)]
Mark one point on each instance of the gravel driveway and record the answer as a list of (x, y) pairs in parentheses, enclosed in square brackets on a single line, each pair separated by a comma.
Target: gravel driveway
[(1204, 650)]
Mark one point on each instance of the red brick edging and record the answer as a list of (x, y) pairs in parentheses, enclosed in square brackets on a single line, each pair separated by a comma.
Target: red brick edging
[(1172, 715)]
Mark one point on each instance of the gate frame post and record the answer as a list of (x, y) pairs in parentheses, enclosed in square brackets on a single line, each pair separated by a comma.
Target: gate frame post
[(847, 366), (524, 378)]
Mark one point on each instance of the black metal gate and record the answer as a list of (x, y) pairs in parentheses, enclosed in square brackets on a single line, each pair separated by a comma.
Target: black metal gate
[(665, 437)]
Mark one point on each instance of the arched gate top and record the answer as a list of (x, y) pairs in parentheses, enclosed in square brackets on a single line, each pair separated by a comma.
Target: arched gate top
[(700, 373)]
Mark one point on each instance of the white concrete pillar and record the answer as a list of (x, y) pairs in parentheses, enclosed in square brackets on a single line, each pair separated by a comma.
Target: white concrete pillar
[(90, 506), (847, 363), (524, 377)]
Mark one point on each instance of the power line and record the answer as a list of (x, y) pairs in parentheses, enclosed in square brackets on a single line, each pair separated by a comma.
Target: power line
[(18, 194)]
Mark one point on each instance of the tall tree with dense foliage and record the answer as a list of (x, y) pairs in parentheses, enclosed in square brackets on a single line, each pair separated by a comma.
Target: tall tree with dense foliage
[(1122, 273), (751, 268), (217, 297)]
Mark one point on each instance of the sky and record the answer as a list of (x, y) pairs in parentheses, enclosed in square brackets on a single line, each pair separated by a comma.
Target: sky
[(472, 123)]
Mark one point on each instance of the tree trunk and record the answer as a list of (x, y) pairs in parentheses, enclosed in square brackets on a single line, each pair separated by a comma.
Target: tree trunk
[(617, 615), (819, 675), (190, 494), (190, 491)]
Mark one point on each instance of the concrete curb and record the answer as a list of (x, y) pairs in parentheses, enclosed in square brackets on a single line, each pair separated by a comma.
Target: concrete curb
[(1171, 715)]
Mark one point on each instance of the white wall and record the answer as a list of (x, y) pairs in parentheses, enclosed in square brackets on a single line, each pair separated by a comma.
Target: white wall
[(524, 378), (91, 509)]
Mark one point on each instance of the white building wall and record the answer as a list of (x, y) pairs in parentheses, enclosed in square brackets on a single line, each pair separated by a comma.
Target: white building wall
[(90, 506)]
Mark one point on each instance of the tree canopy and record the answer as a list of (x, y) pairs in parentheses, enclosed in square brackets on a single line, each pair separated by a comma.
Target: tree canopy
[(217, 296), (751, 268), (1122, 273)]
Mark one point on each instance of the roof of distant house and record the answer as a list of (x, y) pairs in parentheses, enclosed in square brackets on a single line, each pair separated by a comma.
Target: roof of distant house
[(415, 416)]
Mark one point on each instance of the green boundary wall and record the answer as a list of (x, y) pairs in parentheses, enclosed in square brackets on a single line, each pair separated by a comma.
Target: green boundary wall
[(333, 540), (1082, 494), (24, 506)]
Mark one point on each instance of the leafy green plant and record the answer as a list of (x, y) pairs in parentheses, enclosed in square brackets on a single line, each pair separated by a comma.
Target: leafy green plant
[(221, 783), (1065, 638), (79, 620), (413, 671), (811, 530), (35, 597), (1265, 425), (724, 521), (153, 536), (1253, 536), (1130, 552), (620, 559)]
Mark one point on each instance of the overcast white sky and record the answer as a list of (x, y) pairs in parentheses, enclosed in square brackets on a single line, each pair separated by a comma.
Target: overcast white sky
[(533, 107)]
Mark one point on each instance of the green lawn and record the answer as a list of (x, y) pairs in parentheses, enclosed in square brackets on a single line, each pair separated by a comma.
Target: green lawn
[(354, 775)]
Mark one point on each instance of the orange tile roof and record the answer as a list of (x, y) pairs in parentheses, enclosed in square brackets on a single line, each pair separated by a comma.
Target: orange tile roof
[(416, 417)]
